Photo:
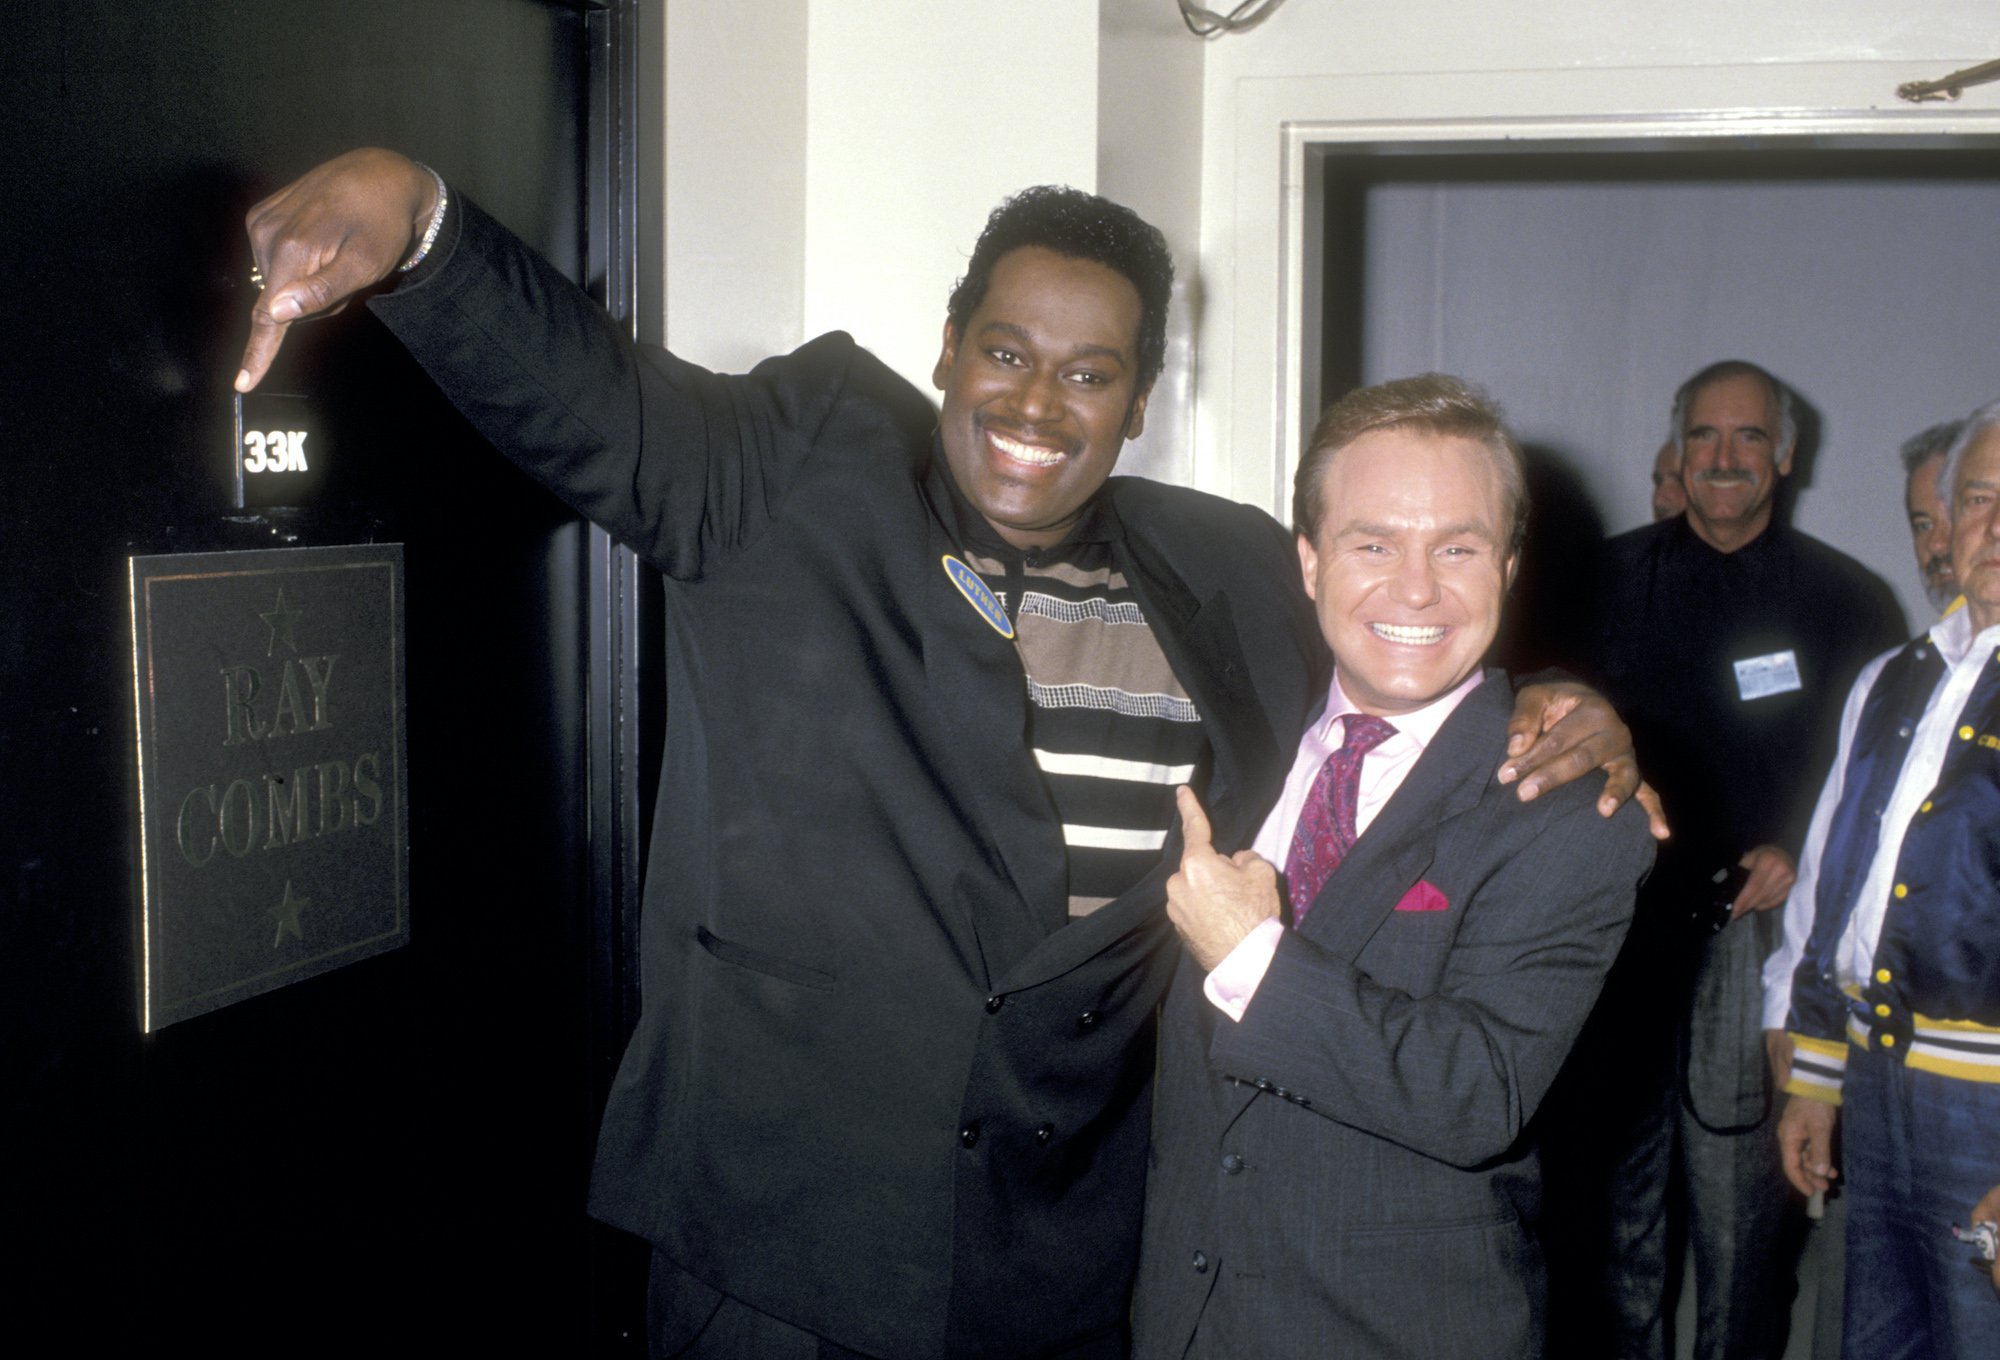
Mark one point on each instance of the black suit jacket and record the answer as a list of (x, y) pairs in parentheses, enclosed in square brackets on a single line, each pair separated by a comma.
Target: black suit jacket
[(881, 1087), (1345, 1171)]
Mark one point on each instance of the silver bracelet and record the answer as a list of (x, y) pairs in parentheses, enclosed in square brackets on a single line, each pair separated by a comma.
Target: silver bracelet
[(430, 232)]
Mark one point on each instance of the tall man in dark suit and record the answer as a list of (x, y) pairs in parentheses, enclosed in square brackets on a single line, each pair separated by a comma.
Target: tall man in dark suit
[(933, 679), (1731, 638), (1341, 1163)]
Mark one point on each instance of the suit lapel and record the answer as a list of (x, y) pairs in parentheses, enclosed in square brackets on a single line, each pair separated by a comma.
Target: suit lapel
[(1201, 643), (977, 695), (1401, 842)]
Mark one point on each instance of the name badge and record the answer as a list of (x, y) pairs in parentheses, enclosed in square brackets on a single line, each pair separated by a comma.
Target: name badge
[(978, 596), (1759, 676)]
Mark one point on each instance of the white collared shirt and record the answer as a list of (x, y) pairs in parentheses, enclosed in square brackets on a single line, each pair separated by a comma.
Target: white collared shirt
[(1965, 656)]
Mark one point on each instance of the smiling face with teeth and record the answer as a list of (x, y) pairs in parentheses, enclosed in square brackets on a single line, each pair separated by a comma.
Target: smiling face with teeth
[(1041, 391), (1409, 565)]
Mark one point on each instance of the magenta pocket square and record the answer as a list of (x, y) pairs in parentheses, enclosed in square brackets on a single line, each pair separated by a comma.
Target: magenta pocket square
[(1423, 897)]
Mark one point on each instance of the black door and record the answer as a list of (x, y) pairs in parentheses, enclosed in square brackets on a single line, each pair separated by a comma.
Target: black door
[(391, 1156)]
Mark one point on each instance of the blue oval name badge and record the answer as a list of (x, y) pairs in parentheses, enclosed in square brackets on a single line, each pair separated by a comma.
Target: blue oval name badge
[(978, 596)]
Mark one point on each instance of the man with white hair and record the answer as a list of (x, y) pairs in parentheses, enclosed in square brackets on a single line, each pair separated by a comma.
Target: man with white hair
[(1923, 457), (1895, 1015)]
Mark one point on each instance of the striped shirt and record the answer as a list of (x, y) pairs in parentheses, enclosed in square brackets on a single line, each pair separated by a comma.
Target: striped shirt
[(1110, 726)]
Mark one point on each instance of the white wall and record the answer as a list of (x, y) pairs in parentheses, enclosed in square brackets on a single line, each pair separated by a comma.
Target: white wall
[(1149, 158), (920, 117), (829, 163), (735, 179), (1582, 306)]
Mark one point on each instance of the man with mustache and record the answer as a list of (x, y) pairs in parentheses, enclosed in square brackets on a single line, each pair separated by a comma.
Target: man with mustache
[(1728, 640)]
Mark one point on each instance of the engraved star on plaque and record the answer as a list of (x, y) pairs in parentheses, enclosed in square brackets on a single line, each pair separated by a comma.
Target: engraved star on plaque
[(287, 914), (281, 621)]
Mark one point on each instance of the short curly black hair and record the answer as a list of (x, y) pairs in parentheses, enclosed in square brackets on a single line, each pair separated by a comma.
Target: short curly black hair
[(1083, 227)]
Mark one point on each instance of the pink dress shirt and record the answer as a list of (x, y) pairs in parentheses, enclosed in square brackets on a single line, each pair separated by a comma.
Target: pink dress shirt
[(1232, 983)]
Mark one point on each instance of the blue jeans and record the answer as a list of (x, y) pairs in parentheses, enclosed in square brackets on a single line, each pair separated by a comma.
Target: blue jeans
[(1919, 1150)]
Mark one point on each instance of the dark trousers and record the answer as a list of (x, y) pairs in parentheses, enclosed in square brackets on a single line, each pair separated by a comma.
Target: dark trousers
[(1664, 1126), (1919, 1150), (687, 1320)]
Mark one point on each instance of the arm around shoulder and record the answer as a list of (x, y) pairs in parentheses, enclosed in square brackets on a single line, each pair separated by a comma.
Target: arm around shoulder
[(1457, 1073)]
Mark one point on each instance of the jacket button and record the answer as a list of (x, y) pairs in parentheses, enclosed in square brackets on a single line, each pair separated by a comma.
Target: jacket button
[(1883, 975), (1201, 1263), (1086, 1020), (1232, 1163), (1882, 1009), (1044, 1134), (1888, 1041), (968, 1136), (994, 1003)]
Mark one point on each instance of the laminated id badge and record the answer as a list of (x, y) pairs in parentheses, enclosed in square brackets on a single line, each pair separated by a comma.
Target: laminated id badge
[(1760, 676)]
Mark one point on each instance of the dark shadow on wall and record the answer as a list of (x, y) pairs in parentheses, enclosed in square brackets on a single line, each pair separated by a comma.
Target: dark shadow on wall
[(1546, 618), (1805, 456)]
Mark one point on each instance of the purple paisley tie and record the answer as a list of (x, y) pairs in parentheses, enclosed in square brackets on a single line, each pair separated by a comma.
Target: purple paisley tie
[(1326, 823)]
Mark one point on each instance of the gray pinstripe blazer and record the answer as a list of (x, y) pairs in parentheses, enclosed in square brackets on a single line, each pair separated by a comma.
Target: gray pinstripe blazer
[(1347, 1171)]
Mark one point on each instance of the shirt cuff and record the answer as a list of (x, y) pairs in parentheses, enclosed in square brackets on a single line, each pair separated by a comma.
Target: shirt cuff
[(1819, 1067), (1231, 983)]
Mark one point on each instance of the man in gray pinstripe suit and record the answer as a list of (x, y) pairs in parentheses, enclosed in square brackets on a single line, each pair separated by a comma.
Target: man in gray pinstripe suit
[(1341, 1164)]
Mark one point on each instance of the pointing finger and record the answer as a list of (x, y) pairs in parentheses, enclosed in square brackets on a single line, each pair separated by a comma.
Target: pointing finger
[(267, 333), (1194, 822)]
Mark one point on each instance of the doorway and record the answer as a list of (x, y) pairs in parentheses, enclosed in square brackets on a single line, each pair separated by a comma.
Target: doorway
[(1579, 283)]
